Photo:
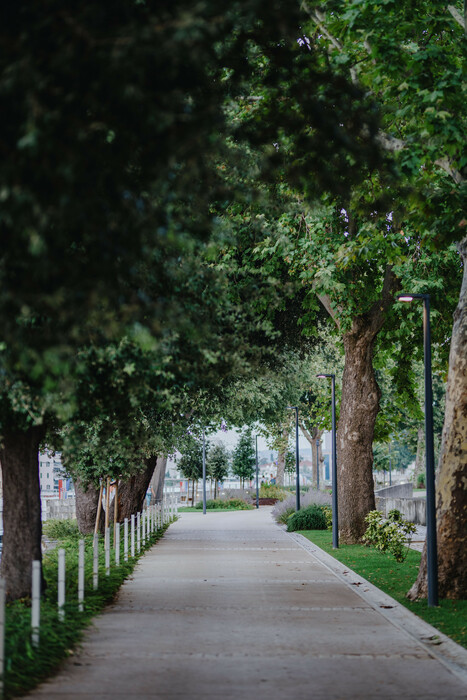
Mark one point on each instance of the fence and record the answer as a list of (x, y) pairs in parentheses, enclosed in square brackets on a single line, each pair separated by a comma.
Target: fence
[(140, 529)]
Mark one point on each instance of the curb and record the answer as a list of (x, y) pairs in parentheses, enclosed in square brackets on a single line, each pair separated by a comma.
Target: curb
[(435, 643)]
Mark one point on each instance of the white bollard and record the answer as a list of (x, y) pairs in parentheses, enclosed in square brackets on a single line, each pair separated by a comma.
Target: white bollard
[(138, 532), (36, 603), (81, 576), (125, 539), (143, 528), (95, 562), (107, 551), (2, 634), (117, 544), (132, 534), (61, 584)]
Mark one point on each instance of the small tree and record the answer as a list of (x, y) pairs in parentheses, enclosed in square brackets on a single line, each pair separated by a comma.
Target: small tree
[(243, 464), (218, 464), (191, 462)]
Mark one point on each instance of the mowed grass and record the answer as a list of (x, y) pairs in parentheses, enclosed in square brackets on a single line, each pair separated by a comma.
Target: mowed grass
[(395, 579)]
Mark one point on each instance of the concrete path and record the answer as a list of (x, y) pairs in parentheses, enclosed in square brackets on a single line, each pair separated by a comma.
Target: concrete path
[(229, 606)]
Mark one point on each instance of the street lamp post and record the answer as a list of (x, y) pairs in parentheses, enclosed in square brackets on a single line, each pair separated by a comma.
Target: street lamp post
[(317, 464), (257, 475), (431, 544), (335, 518), (297, 459), (204, 473)]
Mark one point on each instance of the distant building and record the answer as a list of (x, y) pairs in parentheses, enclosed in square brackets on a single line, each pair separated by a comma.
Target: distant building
[(52, 477)]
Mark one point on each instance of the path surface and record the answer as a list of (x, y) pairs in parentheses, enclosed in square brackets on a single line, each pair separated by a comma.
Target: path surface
[(229, 606)]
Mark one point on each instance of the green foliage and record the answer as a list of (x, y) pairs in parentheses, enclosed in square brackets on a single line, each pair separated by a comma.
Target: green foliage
[(217, 462), (61, 529), (228, 503), (284, 516), (191, 461), (327, 510), (421, 481), (272, 491), (310, 518), (243, 459), (392, 535)]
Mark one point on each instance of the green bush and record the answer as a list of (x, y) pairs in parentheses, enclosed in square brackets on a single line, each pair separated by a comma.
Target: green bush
[(272, 491), (285, 515), (392, 535), (421, 483), (60, 529), (311, 518), (327, 510), (233, 503)]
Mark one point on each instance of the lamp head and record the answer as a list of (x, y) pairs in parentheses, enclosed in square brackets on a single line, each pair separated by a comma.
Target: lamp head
[(411, 297)]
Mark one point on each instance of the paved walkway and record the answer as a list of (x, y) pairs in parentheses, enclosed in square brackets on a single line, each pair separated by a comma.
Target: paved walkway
[(229, 606)]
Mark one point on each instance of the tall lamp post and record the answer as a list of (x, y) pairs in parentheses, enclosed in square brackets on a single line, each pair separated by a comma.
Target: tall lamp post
[(257, 474), (335, 518), (431, 544), (297, 459), (204, 473), (317, 463)]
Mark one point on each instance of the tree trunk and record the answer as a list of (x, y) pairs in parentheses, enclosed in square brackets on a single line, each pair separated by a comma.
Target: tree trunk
[(131, 493), (451, 510), (87, 499), (358, 411), (157, 481), (312, 436), (22, 525), (282, 453)]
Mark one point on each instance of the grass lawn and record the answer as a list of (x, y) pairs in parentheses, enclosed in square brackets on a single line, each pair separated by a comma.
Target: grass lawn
[(395, 579)]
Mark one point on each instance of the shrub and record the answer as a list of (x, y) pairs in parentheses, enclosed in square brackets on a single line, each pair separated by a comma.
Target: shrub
[(285, 515), (421, 483), (272, 491), (327, 510), (60, 529), (310, 518), (392, 535), (321, 498), (234, 503)]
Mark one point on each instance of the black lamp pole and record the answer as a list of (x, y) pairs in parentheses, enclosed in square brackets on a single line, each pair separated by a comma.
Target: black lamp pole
[(317, 464), (297, 459), (257, 470), (204, 473), (431, 544), (335, 518)]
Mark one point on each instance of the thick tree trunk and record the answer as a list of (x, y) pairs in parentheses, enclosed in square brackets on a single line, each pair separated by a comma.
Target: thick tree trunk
[(283, 446), (22, 525), (87, 499), (451, 510), (131, 493), (358, 411), (157, 481)]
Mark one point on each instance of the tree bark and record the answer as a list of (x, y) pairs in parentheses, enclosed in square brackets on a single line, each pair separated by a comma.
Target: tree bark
[(131, 493), (312, 436), (359, 408), (157, 481), (87, 498), (451, 506), (22, 525)]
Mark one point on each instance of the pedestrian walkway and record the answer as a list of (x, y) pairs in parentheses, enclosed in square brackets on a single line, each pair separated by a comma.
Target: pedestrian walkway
[(230, 606)]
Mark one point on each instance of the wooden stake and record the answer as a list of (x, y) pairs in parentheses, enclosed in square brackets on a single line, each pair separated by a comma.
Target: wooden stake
[(36, 603), (99, 508)]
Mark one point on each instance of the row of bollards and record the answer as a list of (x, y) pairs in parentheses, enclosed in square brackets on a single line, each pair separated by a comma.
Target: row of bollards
[(138, 529)]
